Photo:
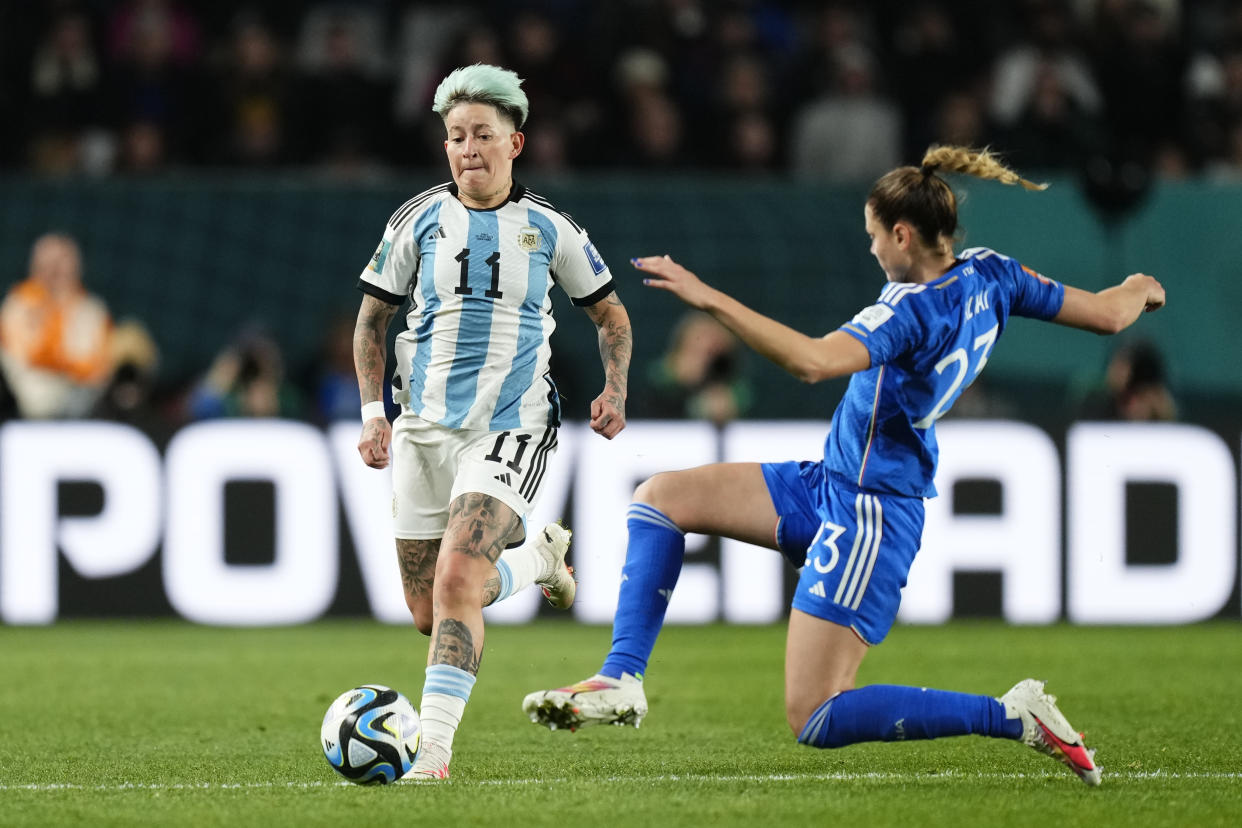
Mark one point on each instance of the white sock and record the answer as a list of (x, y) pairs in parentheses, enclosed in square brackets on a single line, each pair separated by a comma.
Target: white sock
[(445, 693), (519, 568)]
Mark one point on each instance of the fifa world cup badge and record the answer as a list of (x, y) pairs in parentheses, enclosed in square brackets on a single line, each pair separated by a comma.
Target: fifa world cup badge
[(528, 239)]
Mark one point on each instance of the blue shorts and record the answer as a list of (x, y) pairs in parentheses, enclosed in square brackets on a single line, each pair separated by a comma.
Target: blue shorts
[(855, 548)]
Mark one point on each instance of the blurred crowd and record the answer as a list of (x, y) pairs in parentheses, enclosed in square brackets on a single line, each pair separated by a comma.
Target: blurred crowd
[(837, 91), (827, 90), (63, 356)]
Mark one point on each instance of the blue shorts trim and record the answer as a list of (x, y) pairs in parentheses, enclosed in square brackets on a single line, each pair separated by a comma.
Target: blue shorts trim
[(854, 547)]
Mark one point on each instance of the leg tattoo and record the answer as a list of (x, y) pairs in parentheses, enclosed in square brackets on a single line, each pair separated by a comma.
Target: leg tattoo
[(488, 525), (417, 559), (454, 645)]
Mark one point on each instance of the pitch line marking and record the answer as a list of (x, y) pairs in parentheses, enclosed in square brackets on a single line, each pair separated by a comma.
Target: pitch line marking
[(843, 776)]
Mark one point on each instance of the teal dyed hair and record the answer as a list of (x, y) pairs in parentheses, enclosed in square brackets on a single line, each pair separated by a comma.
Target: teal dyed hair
[(483, 84)]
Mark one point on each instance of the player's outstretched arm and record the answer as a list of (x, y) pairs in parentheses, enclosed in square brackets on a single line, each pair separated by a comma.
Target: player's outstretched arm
[(616, 346), (807, 358), (370, 355), (1113, 309)]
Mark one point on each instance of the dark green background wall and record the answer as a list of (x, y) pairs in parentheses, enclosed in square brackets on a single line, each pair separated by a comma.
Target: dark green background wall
[(197, 258)]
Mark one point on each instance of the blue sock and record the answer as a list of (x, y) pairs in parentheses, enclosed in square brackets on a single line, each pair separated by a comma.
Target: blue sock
[(653, 559), (890, 713), (505, 573)]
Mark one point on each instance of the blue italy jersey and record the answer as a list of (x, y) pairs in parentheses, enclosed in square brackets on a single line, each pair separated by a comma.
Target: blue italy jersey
[(927, 343), (476, 349)]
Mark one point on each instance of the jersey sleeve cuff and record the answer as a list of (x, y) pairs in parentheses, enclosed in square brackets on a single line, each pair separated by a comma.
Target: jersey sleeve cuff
[(587, 301), (379, 293), (859, 333)]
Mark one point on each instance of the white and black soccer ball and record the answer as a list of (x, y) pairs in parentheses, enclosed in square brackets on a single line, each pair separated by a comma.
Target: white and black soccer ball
[(370, 734)]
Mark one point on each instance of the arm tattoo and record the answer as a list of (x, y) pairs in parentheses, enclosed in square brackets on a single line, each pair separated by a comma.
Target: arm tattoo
[(417, 559), (371, 347), (480, 525), (454, 646), (616, 345)]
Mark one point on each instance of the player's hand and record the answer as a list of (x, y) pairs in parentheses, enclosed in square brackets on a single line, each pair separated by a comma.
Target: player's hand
[(664, 273), (373, 445), (1153, 289), (608, 414)]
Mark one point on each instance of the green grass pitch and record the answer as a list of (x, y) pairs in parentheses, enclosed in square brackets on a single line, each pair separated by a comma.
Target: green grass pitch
[(165, 723)]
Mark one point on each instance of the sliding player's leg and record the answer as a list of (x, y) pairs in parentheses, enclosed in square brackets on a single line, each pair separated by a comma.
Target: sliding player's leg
[(727, 499), (847, 599)]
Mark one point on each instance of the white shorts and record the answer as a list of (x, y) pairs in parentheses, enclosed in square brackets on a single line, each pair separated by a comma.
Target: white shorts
[(433, 464)]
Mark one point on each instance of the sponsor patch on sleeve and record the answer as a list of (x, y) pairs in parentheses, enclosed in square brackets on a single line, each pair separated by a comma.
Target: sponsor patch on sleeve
[(873, 317), (381, 255), (1038, 276), (597, 261)]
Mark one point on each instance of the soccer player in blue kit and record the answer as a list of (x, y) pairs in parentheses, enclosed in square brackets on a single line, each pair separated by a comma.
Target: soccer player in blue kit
[(853, 521)]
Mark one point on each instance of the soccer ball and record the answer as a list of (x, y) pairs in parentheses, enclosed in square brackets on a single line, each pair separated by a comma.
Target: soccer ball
[(370, 734)]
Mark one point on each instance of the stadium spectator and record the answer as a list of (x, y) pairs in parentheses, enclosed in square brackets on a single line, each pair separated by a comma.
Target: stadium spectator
[(1141, 69), (699, 376), (254, 97), (154, 93), (334, 386), (1053, 131), (1135, 387), (133, 25), (345, 97), (479, 411), (1216, 108), (54, 335), (1047, 50), (1048, 63), (930, 64), (128, 396), (427, 33), (246, 379), (745, 132), (851, 135), (866, 494), (67, 94)]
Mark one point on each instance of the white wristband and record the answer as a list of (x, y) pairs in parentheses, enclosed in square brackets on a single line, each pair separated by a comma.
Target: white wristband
[(372, 410)]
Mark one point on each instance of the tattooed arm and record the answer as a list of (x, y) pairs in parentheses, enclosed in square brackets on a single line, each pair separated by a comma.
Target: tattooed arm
[(616, 343), (370, 355)]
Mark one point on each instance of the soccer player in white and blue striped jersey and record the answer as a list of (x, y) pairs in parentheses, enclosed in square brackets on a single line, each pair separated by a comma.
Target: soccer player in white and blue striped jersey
[(853, 521), (476, 258)]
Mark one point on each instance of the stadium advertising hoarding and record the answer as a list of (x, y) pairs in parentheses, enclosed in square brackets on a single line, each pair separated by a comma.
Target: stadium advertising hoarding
[(1054, 526)]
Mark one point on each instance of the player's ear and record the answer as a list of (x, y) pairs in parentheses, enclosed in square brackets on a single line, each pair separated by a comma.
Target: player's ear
[(518, 140), (902, 234), (899, 234)]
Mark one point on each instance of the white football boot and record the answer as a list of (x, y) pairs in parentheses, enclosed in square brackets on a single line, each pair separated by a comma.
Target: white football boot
[(430, 765), (593, 701), (1047, 730), (557, 582)]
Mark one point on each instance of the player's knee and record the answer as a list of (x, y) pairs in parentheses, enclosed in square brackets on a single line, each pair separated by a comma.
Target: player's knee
[(801, 707), (457, 580), (658, 491)]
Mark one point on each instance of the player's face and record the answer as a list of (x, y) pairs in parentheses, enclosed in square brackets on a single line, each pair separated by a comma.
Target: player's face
[(481, 146), (893, 259)]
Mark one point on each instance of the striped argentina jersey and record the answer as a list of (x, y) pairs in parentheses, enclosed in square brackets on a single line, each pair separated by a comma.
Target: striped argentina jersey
[(475, 353), (927, 343)]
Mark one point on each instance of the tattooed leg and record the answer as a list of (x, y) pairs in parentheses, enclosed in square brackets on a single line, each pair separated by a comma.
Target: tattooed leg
[(479, 528), (417, 560)]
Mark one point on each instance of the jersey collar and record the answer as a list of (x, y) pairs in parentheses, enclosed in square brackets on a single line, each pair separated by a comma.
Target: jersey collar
[(516, 192)]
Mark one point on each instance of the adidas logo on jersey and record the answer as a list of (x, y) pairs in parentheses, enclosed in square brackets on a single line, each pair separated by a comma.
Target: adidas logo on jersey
[(818, 589)]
